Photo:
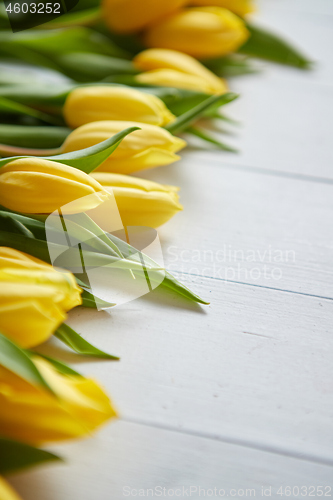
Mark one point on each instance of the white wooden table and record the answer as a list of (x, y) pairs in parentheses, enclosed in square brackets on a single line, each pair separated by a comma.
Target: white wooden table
[(237, 395)]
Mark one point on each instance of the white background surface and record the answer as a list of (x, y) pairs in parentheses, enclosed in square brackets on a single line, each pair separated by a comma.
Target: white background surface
[(239, 394)]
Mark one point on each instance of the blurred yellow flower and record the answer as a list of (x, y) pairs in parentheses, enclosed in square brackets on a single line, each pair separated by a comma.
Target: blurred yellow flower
[(97, 103), (129, 16), (34, 297), (7, 492), (172, 68), (149, 147), (140, 202), (37, 186), (202, 32), (33, 415), (239, 7)]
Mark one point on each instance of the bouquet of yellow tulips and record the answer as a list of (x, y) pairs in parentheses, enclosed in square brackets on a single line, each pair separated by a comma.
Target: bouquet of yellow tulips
[(129, 78)]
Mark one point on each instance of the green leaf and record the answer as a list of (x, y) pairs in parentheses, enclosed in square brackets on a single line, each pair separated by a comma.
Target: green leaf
[(16, 360), (267, 45), (173, 284), (14, 73), (73, 19), (16, 456), (31, 44), (8, 106), (73, 340), (86, 159), (33, 137), (84, 229), (43, 95), (36, 248), (230, 66), (206, 137), (177, 100), (132, 44), (87, 67), (169, 281), (68, 256), (32, 226), (94, 302), (185, 120), (12, 225), (89, 159), (90, 300)]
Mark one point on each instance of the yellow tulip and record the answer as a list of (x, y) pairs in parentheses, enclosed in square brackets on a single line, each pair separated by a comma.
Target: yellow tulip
[(97, 103), (172, 68), (9, 257), (34, 298), (149, 147), (140, 202), (37, 186), (129, 16), (201, 32), (33, 415), (239, 7), (7, 492), (22, 267)]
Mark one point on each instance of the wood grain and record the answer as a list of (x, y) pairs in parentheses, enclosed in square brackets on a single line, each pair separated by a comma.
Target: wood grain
[(138, 457), (238, 394)]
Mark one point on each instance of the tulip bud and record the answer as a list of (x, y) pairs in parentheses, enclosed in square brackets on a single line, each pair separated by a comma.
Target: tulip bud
[(96, 103), (200, 32), (7, 492), (171, 68), (140, 202), (149, 147), (34, 297), (37, 186), (129, 16), (239, 7), (33, 415)]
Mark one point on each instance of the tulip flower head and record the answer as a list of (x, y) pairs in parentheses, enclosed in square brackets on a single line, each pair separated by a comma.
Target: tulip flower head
[(34, 297), (130, 16), (172, 68), (7, 492), (202, 32), (239, 7), (140, 202), (149, 147), (98, 103), (31, 414), (37, 186)]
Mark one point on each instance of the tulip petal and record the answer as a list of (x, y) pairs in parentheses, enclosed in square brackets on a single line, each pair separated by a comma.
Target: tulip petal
[(7, 492), (151, 158), (34, 416)]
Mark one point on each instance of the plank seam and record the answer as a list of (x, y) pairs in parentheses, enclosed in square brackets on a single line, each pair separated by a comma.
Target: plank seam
[(273, 173), (237, 442), (255, 285)]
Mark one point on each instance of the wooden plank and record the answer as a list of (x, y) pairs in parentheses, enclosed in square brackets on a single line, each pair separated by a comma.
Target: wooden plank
[(308, 26), (127, 458), (241, 225), (285, 126), (248, 380), (306, 6), (253, 368)]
